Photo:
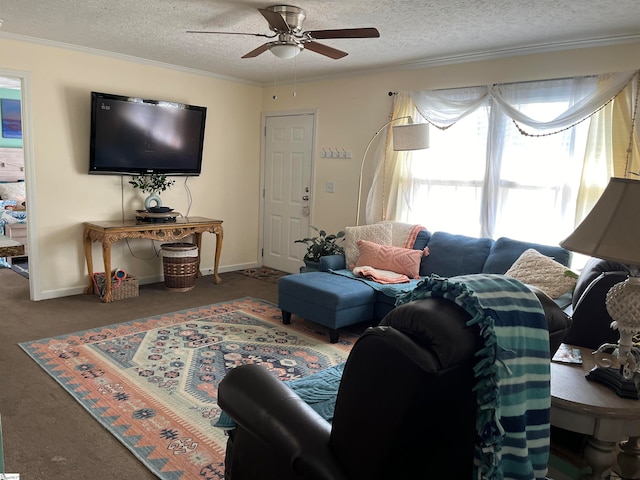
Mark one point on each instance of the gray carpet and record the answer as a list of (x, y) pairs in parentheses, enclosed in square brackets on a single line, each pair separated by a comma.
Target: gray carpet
[(47, 435)]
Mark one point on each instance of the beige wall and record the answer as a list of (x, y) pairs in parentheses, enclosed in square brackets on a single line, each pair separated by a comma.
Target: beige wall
[(350, 110), (66, 196)]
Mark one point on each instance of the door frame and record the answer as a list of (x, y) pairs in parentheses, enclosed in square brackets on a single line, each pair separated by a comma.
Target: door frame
[(263, 158), (29, 177)]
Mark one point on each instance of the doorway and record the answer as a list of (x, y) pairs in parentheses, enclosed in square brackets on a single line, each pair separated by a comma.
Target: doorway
[(287, 194), (18, 84)]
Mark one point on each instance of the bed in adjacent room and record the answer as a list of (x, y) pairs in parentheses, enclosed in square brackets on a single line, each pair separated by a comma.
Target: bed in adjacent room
[(13, 210)]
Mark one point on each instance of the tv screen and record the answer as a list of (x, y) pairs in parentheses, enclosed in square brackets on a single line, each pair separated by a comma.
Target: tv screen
[(132, 135)]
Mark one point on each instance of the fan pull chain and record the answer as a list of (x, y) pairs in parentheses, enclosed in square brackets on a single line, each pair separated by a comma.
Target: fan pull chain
[(295, 73), (275, 78)]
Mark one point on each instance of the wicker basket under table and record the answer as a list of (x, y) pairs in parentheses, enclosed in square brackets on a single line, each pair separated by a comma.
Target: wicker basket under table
[(180, 264), (120, 288)]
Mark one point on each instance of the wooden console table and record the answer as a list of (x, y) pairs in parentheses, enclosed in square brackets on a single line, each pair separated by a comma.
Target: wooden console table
[(112, 231), (583, 406)]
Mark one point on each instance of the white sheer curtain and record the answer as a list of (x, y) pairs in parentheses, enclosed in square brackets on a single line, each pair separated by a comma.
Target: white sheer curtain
[(393, 169), (489, 169), (532, 181)]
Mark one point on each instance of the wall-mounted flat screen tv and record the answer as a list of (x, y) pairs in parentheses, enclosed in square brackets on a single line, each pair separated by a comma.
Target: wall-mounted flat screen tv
[(131, 135)]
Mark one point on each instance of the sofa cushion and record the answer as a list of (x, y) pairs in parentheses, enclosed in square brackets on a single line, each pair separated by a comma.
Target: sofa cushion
[(505, 251), (379, 233), (404, 234), (422, 240), (405, 261), (451, 255), (338, 262), (533, 268)]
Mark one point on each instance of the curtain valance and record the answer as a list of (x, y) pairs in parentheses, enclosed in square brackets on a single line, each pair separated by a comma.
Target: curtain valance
[(392, 194), (442, 112)]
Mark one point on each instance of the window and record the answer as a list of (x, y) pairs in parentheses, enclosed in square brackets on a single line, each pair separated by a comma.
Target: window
[(448, 178), (482, 177)]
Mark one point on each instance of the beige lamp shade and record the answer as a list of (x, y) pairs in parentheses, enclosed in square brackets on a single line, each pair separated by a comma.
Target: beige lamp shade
[(611, 231), (412, 136)]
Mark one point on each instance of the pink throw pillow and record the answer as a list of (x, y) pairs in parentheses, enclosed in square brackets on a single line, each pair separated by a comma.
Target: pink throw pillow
[(394, 259)]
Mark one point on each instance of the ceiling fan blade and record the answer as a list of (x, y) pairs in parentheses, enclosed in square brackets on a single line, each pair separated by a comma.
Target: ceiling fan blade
[(344, 33), (325, 50), (232, 33), (254, 53), (276, 21)]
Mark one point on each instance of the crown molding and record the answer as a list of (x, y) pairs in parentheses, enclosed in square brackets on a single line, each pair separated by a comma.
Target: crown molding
[(479, 56), (120, 56), (518, 51), (411, 65)]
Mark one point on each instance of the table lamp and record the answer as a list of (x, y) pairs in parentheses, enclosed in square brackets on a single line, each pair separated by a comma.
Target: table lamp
[(611, 231)]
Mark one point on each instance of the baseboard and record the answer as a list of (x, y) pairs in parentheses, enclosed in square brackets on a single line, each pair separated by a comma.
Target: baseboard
[(67, 292), (230, 268)]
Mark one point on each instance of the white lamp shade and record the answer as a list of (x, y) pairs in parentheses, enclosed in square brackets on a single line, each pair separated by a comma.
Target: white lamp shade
[(285, 50), (413, 136), (611, 231)]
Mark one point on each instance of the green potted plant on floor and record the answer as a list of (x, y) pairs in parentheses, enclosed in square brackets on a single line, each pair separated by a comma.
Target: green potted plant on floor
[(319, 246)]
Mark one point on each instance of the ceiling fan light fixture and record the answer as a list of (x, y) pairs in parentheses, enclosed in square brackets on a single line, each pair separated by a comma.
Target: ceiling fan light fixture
[(286, 21), (285, 50)]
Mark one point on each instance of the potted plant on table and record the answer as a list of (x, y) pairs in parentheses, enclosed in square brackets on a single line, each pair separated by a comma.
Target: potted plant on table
[(321, 245), (153, 184)]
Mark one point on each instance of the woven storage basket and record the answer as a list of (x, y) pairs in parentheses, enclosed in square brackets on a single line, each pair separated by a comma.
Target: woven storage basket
[(120, 289), (180, 263)]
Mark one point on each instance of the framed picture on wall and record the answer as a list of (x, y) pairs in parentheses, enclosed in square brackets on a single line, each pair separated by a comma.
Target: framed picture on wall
[(11, 118)]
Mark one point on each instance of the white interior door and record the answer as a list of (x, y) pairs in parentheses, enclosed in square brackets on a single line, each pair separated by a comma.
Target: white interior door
[(287, 189)]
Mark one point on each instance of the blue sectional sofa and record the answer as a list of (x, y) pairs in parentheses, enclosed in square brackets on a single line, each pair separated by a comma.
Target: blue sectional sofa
[(333, 297)]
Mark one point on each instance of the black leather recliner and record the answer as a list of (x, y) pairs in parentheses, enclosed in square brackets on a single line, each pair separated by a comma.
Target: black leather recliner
[(591, 325), (405, 407)]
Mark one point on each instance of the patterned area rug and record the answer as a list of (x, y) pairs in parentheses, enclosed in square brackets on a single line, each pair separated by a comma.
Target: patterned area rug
[(153, 382), (264, 273)]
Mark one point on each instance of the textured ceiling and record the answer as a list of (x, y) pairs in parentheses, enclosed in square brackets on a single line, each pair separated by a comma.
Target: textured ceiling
[(412, 33)]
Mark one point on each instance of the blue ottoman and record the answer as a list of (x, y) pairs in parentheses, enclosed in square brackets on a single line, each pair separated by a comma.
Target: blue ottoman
[(325, 298)]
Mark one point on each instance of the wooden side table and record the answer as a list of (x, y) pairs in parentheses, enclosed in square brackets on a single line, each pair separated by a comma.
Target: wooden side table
[(17, 232), (587, 407), (10, 247), (112, 231)]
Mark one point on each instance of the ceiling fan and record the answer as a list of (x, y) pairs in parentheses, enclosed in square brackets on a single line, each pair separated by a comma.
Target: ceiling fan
[(286, 23)]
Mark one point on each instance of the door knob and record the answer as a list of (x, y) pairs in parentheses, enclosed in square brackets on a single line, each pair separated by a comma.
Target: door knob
[(305, 198)]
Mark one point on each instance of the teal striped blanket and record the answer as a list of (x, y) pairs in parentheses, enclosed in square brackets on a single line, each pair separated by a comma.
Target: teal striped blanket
[(512, 372)]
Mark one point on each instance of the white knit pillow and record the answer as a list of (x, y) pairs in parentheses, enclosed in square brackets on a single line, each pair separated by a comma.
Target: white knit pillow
[(542, 272), (379, 233)]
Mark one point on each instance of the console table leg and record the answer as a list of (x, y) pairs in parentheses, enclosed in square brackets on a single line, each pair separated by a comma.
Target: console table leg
[(599, 456), (106, 257), (88, 256), (216, 260), (198, 241), (629, 458)]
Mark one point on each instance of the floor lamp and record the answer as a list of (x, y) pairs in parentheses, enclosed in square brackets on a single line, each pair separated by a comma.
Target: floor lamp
[(412, 136)]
